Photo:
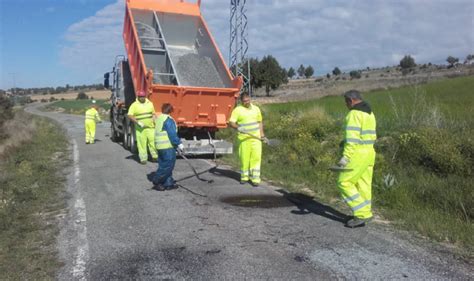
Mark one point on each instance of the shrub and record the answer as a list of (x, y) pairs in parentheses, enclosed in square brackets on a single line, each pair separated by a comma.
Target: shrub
[(6, 113), (355, 74), (436, 150), (82, 96)]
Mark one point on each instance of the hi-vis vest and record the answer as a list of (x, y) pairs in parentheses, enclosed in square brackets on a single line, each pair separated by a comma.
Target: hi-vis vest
[(360, 132), (92, 114), (143, 112), (248, 120), (162, 141)]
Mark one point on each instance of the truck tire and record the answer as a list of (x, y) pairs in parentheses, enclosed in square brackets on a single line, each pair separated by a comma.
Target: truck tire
[(133, 140), (114, 136), (126, 138)]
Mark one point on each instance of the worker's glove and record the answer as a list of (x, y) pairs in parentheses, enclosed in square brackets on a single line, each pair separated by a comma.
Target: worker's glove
[(343, 162), (139, 123), (265, 140), (180, 148)]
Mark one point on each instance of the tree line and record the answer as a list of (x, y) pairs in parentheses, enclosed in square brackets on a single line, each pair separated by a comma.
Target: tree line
[(53, 90)]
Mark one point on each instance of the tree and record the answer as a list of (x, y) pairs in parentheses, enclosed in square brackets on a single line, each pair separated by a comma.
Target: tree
[(301, 70), (336, 71), (407, 62), (470, 57), (255, 79), (82, 96), (291, 73), (309, 71), (328, 75), (452, 60), (284, 74), (270, 74)]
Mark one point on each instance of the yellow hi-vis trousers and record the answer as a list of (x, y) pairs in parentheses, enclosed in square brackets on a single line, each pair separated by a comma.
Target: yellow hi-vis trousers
[(356, 185), (90, 131), (250, 154), (146, 138)]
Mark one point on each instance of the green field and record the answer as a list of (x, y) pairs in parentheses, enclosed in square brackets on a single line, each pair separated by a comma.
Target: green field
[(423, 177), (79, 106)]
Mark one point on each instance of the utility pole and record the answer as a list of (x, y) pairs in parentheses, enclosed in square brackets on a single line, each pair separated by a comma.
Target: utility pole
[(238, 44)]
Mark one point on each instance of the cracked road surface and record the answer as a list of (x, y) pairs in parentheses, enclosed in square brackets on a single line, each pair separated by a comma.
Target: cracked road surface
[(117, 228)]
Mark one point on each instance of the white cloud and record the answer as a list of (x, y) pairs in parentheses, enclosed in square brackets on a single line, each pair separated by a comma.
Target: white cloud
[(90, 45), (345, 33), (350, 33)]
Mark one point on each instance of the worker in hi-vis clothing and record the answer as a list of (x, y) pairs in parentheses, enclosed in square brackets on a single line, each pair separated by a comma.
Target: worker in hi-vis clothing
[(247, 119), (92, 116), (167, 143), (355, 179), (142, 113)]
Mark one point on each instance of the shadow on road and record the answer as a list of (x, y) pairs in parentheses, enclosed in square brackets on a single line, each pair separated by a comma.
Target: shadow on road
[(307, 205), (225, 173), (133, 157)]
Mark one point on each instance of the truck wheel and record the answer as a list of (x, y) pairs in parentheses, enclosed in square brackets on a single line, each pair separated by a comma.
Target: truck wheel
[(125, 141), (133, 140), (113, 133)]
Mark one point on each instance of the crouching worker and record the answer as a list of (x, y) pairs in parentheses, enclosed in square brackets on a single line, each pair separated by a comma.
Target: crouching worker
[(355, 181), (166, 142), (92, 116)]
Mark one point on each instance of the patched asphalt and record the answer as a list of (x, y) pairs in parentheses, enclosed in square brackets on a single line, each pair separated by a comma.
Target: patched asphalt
[(218, 231)]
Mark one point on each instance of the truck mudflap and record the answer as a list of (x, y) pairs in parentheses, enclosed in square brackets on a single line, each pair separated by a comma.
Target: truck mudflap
[(207, 146)]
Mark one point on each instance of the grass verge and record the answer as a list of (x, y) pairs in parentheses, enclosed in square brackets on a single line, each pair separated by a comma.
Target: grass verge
[(31, 198), (425, 153)]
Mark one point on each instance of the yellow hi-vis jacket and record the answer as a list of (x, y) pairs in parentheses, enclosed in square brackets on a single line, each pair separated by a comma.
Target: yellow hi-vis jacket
[(248, 120), (162, 140), (143, 112), (92, 114), (360, 132)]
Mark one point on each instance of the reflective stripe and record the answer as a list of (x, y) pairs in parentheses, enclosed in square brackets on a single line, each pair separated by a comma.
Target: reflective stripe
[(248, 124), (144, 117), (361, 205), (162, 142), (368, 132), (360, 141), (245, 173), (352, 198), (140, 114), (250, 129), (161, 134), (351, 128)]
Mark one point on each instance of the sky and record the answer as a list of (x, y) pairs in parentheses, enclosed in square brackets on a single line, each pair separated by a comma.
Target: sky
[(58, 42)]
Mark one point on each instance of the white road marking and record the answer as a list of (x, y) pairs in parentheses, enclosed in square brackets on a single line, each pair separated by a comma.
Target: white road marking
[(82, 251)]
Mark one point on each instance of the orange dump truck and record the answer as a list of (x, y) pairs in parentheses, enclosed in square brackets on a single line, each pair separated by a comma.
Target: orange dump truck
[(173, 57)]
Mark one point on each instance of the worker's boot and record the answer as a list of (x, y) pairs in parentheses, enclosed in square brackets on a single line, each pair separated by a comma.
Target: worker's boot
[(158, 187), (357, 222)]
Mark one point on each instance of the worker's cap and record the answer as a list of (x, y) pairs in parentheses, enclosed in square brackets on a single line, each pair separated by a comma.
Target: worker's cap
[(352, 94), (93, 101), (141, 94)]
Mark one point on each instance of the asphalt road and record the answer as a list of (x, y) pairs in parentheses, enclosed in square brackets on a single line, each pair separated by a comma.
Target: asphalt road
[(117, 228)]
